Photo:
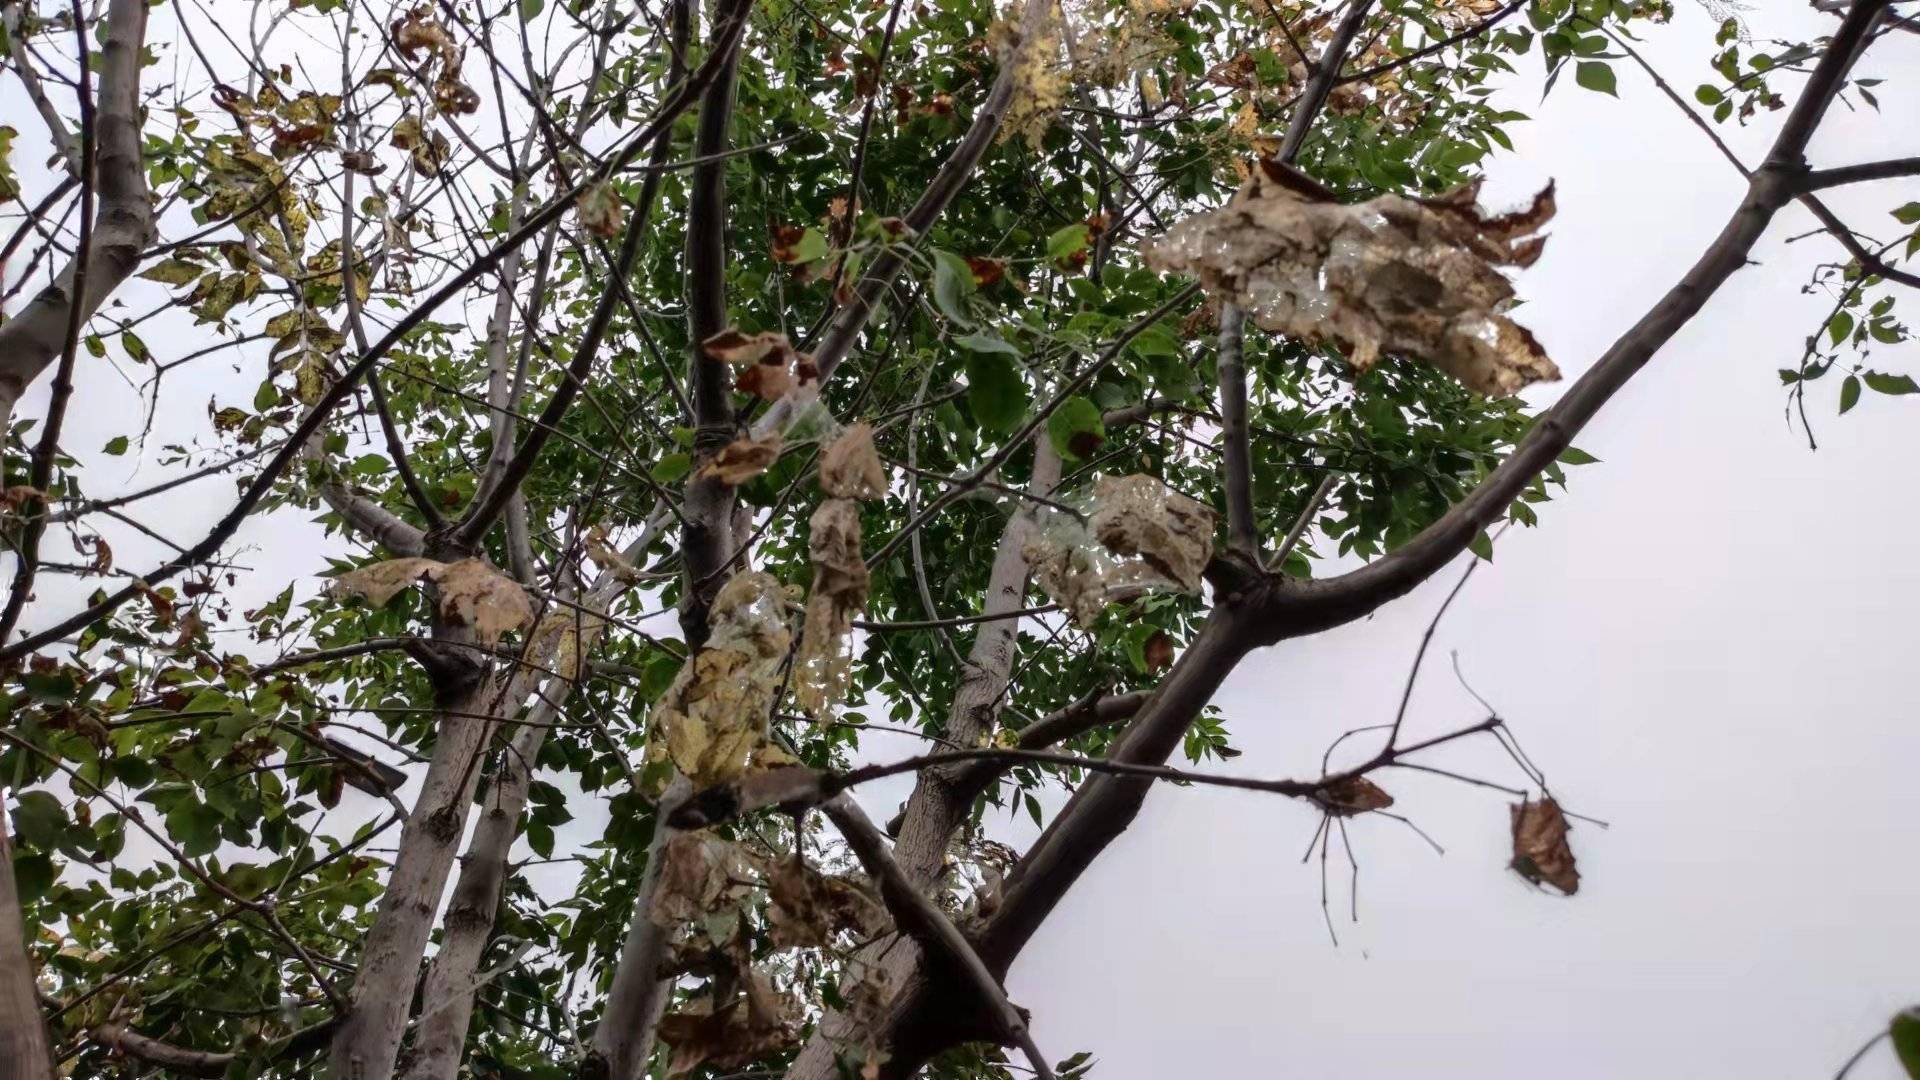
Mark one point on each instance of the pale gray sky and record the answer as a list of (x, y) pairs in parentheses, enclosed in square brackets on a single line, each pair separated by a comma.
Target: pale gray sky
[(1703, 643)]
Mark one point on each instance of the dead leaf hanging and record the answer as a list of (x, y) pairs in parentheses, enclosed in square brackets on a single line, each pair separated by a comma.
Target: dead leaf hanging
[(732, 1034), (475, 595), (1411, 276), (471, 592), (1354, 795), (1540, 848), (1139, 515), (840, 580), (807, 908), (715, 713), (850, 467), (380, 582), (743, 459), (1139, 536)]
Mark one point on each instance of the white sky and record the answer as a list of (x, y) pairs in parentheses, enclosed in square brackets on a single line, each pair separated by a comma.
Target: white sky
[(1703, 643)]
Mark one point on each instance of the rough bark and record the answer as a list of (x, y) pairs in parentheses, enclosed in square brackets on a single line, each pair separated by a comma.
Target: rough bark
[(451, 976), (447, 1009), (23, 1037), (123, 222), (368, 1042)]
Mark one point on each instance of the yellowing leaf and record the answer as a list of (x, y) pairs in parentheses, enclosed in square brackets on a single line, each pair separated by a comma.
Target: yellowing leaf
[(471, 592)]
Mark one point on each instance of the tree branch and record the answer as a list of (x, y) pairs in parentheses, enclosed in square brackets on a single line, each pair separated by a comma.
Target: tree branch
[(1854, 174), (1243, 535), (923, 920)]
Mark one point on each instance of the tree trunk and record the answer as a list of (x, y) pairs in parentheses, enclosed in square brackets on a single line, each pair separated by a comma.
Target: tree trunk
[(23, 1035), (122, 227)]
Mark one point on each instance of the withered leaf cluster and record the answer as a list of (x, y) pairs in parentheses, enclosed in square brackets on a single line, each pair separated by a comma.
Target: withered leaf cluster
[(713, 718), (1415, 277), (705, 897), (769, 365), (1139, 537), (850, 470), (470, 592)]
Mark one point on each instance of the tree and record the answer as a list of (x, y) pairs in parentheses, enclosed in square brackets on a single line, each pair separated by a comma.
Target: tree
[(700, 390)]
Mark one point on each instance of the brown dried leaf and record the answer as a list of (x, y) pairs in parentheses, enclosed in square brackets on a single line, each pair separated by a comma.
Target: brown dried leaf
[(743, 459), (808, 908), (698, 870), (1138, 515), (474, 594), (608, 558), (734, 347), (379, 582), (850, 468), (1158, 651), (418, 31), (600, 210), (1410, 276), (1354, 795), (740, 1032), (768, 382), (1540, 848)]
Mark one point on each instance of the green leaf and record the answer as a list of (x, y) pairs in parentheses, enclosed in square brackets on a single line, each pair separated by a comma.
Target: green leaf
[(173, 272), (1904, 1031), (1067, 241), (996, 393), (530, 9), (952, 285), (672, 467), (39, 818), (1481, 545), (266, 397), (986, 343), (1595, 75), (1849, 393), (132, 771), (1840, 326), (810, 247), (1890, 384), (1885, 331), (195, 825), (115, 446), (1156, 341), (1908, 214), (1573, 455), (1075, 429), (32, 876), (1707, 95), (540, 839)]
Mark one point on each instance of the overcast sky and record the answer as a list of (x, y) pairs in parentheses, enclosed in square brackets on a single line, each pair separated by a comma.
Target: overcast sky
[(1703, 643)]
